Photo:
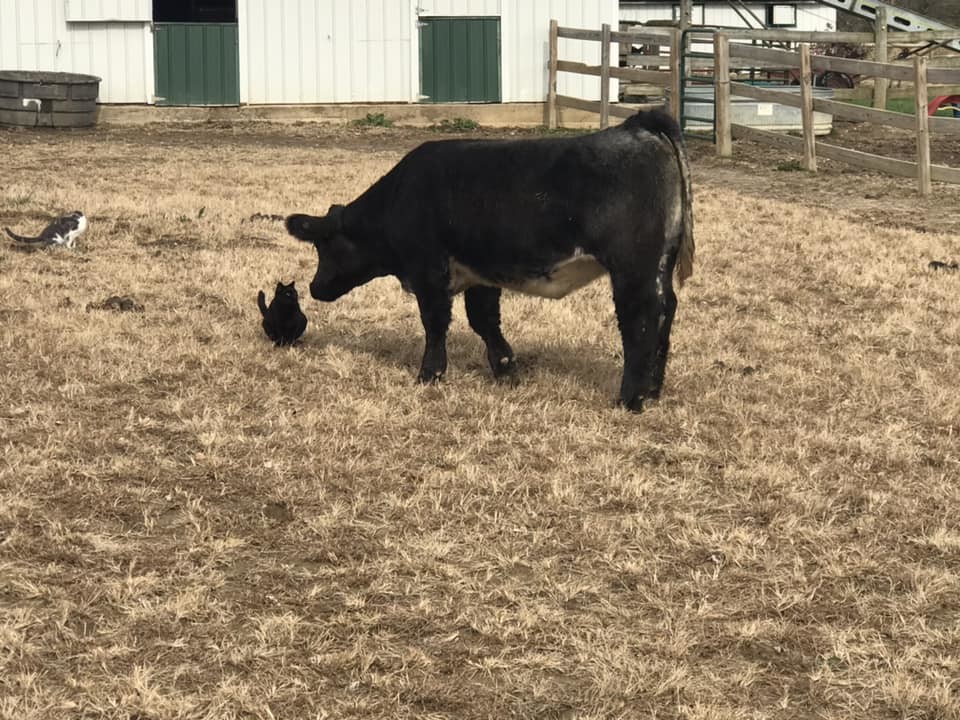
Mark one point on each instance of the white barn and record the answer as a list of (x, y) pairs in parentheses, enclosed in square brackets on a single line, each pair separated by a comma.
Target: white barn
[(230, 52)]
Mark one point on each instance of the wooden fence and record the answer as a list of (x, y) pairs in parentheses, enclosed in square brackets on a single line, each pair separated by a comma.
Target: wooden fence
[(741, 55), (669, 79), (919, 73)]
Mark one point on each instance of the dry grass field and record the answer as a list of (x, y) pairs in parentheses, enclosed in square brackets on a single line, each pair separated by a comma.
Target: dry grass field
[(194, 524)]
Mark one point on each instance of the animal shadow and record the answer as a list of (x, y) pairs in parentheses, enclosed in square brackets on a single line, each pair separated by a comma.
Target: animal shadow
[(403, 351), (938, 265)]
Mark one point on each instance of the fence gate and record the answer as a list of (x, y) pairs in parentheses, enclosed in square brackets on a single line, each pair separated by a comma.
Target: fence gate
[(690, 80)]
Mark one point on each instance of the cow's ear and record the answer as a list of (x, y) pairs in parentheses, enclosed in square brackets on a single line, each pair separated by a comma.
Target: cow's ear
[(335, 214), (310, 228), (316, 229)]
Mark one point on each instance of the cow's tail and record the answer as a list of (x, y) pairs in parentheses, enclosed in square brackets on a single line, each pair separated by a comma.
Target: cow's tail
[(687, 246), (262, 302), (21, 238), (663, 124)]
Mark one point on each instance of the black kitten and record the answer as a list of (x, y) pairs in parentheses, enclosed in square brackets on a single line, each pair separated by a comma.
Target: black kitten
[(284, 321)]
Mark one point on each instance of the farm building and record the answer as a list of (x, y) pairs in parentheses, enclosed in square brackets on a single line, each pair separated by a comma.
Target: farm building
[(230, 52), (802, 15)]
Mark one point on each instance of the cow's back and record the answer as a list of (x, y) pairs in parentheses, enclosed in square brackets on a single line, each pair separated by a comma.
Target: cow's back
[(512, 207)]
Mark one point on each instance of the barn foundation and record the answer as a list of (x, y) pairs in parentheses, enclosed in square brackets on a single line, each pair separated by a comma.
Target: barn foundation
[(402, 114)]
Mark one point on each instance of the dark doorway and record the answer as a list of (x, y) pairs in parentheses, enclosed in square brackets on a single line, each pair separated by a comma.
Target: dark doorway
[(194, 11)]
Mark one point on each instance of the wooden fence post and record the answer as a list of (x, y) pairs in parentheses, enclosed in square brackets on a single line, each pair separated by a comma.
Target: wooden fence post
[(676, 88), (721, 94), (684, 23), (806, 110), (605, 76), (880, 85), (686, 14), (552, 79), (923, 125)]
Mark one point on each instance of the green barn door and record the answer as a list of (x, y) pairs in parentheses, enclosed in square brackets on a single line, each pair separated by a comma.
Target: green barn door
[(460, 59), (197, 63)]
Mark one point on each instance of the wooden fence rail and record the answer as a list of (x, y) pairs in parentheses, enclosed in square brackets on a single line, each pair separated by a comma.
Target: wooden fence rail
[(729, 56), (727, 53), (669, 79), (819, 36)]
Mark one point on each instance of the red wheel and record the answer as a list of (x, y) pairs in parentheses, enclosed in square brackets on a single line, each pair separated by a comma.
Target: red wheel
[(939, 102)]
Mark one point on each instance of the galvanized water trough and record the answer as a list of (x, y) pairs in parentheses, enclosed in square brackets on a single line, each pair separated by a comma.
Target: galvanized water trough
[(48, 99), (698, 103)]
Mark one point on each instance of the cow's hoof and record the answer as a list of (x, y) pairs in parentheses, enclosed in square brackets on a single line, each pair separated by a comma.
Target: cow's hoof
[(634, 405), (430, 377), (503, 366)]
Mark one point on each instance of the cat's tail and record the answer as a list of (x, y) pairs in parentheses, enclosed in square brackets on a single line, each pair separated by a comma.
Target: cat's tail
[(262, 302), (21, 238)]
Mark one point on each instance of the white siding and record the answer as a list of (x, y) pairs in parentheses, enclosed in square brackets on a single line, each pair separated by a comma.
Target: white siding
[(319, 51), (728, 17), (35, 35), (525, 32), (459, 8), (28, 38), (109, 10), (303, 51), (810, 16), (119, 53), (637, 13), (816, 17)]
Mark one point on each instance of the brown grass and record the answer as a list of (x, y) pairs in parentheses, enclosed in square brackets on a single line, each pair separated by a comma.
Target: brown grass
[(194, 524)]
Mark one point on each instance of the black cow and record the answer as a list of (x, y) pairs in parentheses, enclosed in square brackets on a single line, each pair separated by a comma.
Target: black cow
[(543, 217)]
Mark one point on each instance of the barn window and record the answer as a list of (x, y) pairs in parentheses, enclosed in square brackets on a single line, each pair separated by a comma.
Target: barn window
[(195, 11), (781, 15)]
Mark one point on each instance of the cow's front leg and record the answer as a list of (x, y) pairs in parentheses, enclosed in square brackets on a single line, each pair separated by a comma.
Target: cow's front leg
[(435, 306), (483, 313), (637, 305)]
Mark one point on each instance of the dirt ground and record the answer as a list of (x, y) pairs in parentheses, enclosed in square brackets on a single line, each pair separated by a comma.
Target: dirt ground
[(839, 188), (754, 168), (195, 524)]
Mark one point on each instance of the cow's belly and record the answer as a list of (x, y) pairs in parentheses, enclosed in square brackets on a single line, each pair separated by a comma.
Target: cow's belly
[(556, 282)]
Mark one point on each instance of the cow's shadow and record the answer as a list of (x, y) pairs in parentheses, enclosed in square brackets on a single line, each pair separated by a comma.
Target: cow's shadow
[(582, 363)]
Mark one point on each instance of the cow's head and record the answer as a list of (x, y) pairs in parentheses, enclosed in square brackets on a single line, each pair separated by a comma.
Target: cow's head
[(343, 265)]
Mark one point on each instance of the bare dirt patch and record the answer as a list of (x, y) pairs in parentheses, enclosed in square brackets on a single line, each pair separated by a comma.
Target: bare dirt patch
[(195, 524), (839, 189)]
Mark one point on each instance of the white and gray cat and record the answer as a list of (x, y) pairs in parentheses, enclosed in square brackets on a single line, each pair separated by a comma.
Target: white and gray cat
[(62, 232)]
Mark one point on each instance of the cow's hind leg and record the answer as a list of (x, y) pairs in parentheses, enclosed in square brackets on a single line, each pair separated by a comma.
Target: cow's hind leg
[(435, 313), (483, 313), (639, 307), (667, 304)]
